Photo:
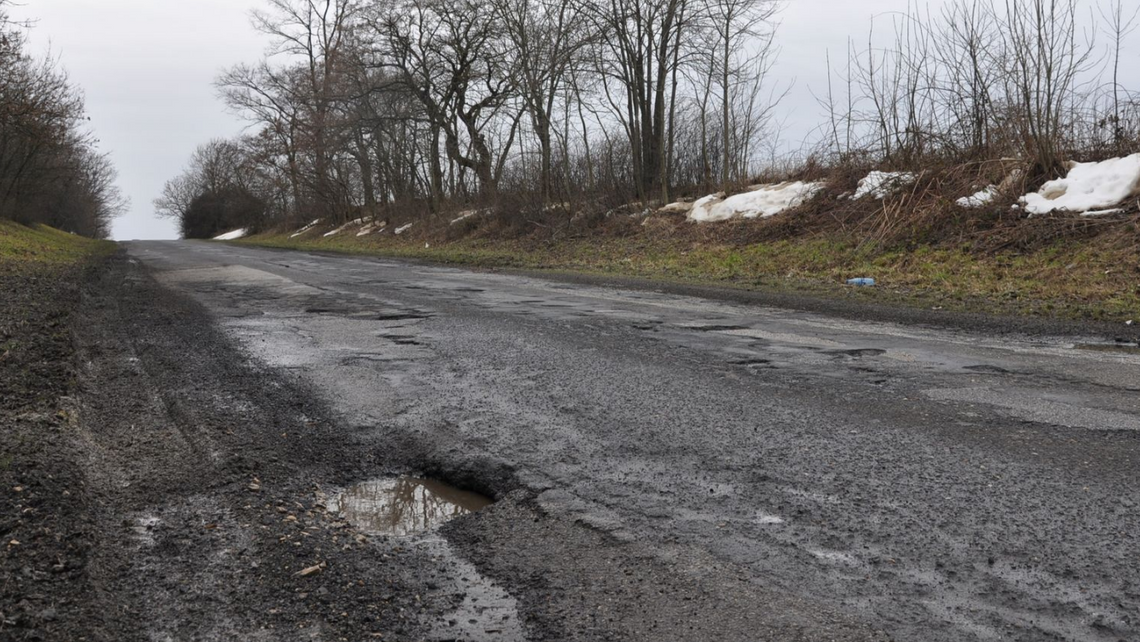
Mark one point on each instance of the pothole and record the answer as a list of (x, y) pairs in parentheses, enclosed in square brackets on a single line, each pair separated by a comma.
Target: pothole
[(405, 505), (410, 507), (1123, 348)]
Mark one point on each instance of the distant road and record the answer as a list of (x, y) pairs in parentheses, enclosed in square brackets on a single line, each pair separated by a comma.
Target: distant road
[(745, 472)]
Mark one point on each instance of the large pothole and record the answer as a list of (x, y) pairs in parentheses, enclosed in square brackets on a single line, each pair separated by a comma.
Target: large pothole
[(412, 508)]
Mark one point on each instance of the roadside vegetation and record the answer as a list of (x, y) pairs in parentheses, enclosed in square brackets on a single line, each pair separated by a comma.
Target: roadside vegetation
[(643, 138), (57, 196), (51, 171)]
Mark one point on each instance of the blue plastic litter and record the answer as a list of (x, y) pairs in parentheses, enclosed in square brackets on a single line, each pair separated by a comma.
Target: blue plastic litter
[(863, 281)]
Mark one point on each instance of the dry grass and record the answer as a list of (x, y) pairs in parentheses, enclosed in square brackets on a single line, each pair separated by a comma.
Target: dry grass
[(987, 260)]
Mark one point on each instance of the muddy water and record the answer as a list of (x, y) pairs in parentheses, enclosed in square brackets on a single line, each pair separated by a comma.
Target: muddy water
[(405, 505), (412, 507)]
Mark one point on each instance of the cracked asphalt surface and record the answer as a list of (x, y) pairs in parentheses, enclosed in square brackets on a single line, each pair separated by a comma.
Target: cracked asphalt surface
[(670, 467)]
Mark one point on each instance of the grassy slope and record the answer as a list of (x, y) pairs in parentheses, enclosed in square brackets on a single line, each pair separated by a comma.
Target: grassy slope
[(40, 271), (1068, 279), (40, 247)]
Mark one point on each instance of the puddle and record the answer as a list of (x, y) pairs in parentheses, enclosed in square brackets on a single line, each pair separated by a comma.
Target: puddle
[(405, 505)]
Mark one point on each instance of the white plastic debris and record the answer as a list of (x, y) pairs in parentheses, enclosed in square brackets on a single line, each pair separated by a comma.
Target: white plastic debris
[(883, 184), (232, 236), (764, 201), (1088, 187)]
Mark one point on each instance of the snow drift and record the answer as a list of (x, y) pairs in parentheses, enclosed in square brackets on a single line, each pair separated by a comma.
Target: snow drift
[(232, 236), (764, 201), (305, 229), (979, 199), (1088, 187), (883, 184)]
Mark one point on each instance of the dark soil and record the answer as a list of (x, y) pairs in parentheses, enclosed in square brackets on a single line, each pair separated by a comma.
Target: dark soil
[(157, 485)]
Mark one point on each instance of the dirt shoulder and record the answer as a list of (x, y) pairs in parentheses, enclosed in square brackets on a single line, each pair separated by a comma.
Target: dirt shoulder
[(158, 485), (45, 534)]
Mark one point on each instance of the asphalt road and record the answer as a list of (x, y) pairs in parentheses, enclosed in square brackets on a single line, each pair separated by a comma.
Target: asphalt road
[(712, 470)]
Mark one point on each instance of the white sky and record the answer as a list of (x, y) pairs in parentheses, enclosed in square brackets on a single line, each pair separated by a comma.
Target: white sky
[(147, 68)]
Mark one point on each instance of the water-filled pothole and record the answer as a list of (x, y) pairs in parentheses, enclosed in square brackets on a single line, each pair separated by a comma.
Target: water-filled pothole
[(405, 505)]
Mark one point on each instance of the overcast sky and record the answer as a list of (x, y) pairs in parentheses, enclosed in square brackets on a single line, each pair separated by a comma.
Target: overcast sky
[(147, 68)]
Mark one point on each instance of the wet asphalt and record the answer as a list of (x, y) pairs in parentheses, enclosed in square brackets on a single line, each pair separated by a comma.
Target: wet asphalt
[(789, 475)]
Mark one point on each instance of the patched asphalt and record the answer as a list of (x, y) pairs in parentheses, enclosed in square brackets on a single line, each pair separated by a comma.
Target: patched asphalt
[(677, 467)]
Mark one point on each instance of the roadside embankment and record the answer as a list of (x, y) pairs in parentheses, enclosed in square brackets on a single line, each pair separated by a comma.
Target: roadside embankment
[(1073, 269), (44, 537)]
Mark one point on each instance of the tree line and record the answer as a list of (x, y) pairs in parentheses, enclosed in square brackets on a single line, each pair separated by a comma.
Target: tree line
[(361, 105), (51, 171)]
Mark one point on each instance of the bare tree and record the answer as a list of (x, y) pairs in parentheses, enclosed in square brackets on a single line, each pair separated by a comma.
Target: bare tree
[(733, 21), (451, 56), (639, 53), (1045, 62), (548, 37)]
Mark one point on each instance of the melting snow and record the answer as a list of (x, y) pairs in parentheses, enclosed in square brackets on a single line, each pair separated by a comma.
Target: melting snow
[(464, 215), (345, 226), (764, 201), (1089, 186), (680, 207), (404, 228), (881, 184), (982, 198), (305, 229), (232, 236)]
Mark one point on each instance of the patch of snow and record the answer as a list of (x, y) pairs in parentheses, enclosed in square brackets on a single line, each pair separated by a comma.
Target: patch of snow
[(765, 201), (1088, 186), (232, 236), (702, 208), (680, 207), (365, 230), (305, 229), (979, 199), (404, 228), (347, 225), (882, 184), (1115, 210), (464, 215)]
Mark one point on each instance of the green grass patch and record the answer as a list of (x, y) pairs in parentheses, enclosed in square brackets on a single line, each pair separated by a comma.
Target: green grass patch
[(40, 245), (1074, 280)]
